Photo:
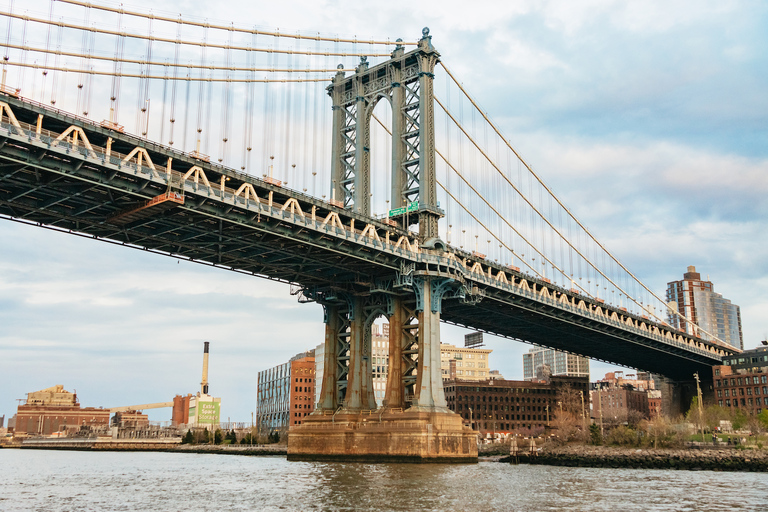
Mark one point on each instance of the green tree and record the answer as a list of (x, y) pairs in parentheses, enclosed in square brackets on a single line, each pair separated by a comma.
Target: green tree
[(594, 434), (763, 417), (217, 437), (188, 438), (739, 419), (231, 437)]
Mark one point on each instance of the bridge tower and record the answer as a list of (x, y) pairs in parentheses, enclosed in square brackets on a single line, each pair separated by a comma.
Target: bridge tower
[(405, 81), (415, 422)]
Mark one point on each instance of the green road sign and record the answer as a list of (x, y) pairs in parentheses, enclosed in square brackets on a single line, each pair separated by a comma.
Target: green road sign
[(411, 207)]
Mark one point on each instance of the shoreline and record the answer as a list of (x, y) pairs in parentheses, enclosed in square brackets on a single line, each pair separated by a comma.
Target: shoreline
[(96, 445), (693, 459)]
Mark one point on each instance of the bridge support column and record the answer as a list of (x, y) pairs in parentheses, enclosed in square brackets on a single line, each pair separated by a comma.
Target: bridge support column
[(429, 383), (360, 394), (335, 360), (403, 327)]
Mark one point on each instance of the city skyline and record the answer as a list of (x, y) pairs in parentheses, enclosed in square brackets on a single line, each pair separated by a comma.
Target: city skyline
[(649, 122)]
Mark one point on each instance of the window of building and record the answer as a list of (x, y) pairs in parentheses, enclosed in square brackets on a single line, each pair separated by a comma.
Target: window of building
[(727, 403), (720, 393), (726, 392), (755, 380)]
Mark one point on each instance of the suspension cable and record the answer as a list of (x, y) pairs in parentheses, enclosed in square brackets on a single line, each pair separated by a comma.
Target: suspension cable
[(231, 28), (560, 203), (161, 77), (132, 35), (528, 201), (145, 62)]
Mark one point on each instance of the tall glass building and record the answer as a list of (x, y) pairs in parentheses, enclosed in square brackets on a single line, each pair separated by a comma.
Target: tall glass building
[(704, 309)]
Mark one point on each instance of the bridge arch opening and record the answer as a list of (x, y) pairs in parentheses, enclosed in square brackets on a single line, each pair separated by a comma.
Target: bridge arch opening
[(380, 155)]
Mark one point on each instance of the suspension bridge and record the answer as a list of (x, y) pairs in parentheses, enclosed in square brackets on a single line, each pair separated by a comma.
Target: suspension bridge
[(272, 154)]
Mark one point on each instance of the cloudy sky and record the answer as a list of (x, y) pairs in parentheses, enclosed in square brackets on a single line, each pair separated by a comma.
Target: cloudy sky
[(649, 119)]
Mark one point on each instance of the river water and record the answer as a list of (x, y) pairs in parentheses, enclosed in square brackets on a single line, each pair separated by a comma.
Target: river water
[(63, 481)]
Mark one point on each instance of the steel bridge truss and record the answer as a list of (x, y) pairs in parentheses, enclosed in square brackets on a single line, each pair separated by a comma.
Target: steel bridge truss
[(70, 174)]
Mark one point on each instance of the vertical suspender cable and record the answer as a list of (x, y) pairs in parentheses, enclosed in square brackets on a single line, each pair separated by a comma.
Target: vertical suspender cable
[(177, 46), (184, 146), (83, 65), (47, 52), (54, 84), (6, 56), (201, 92)]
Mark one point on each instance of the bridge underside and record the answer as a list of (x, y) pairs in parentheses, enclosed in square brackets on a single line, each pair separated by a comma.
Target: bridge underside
[(532, 322), (55, 186)]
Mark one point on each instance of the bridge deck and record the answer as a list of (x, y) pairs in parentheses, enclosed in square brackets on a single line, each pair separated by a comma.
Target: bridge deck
[(84, 180)]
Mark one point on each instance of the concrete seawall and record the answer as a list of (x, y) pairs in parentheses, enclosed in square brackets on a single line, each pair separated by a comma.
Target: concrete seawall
[(688, 459), (159, 445)]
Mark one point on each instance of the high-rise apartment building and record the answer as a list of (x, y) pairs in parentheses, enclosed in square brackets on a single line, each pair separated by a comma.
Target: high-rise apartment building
[(541, 363), (697, 301)]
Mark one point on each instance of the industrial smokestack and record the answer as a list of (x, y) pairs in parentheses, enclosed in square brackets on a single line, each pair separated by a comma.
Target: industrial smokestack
[(204, 384)]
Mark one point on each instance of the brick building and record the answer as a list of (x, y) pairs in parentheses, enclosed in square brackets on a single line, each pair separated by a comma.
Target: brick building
[(742, 381), (496, 406), (302, 396), (53, 410), (131, 419), (180, 412), (618, 403), (286, 393)]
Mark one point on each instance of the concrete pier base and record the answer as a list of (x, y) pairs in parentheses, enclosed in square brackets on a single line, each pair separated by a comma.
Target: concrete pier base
[(383, 436)]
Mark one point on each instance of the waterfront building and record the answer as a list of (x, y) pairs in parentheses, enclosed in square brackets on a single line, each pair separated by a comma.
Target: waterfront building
[(180, 411), (654, 403), (496, 406), (379, 360), (130, 419), (302, 395), (741, 382), (468, 363), (54, 410), (285, 393), (618, 403), (641, 381), (698, 303), (540, 363)]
